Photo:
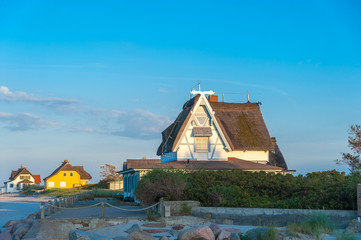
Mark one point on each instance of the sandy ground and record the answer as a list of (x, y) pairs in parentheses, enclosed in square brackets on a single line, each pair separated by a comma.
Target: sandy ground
[(17, 206)]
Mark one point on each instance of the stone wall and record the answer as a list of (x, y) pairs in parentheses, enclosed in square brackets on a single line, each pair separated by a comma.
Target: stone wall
[(268, 216), (176, 206)]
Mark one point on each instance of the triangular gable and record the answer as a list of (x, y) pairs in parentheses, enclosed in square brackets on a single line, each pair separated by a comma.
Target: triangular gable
[(202, 101)]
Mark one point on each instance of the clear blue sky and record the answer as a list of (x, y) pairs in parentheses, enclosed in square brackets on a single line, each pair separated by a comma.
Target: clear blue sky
[(96, 82)]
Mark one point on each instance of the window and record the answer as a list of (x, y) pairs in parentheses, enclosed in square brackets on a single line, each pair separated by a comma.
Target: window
[(51, 184), (62, 184), (201, 144), (71, 174), (64, 174), (11, 185)]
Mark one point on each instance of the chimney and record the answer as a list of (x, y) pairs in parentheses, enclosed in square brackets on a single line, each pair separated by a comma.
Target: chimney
[(213, 98), (66, 161), (21, 166)]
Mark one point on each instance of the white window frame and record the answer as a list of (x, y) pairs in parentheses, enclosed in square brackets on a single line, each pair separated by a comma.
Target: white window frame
[(201, 144), (62, 184), (51, 184)]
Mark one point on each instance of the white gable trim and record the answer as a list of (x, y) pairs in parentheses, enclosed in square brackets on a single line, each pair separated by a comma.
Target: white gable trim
[(204, 99)]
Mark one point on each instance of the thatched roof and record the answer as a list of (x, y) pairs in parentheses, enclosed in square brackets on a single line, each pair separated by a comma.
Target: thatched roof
[(276, 157), (231, 164), (241, 123), (243, 126), (15, 174), (172, 133), (66, 166)]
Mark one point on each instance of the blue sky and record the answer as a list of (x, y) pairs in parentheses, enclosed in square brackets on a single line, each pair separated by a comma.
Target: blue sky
[(96, 82)]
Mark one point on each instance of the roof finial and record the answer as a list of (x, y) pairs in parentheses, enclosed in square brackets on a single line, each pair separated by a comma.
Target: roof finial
[(199, 86), (247, 96)]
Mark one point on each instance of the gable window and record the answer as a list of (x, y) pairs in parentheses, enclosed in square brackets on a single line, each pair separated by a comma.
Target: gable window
[(71, 174), (64, 174), (201, 144)]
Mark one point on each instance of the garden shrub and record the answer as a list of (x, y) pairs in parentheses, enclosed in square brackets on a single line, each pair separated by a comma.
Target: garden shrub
[(167, 183)]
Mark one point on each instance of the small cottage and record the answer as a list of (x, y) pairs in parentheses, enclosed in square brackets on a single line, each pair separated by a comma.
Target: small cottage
[(67, 176), (19, 179), (212, 135)]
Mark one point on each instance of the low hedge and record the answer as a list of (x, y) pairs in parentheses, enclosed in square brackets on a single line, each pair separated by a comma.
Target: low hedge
[(317, 190)]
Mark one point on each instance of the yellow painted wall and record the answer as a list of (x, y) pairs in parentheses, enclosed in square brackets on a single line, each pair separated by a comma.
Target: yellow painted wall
[(69, 180)]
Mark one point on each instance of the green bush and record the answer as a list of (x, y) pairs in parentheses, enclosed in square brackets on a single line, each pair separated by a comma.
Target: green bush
[(167, 183), (235, 188)]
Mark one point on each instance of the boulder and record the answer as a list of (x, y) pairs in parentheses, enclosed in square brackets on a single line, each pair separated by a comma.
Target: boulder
[(199, 233), (164, 238), (141, 235), (224, 235), (178, 227), (133, 228), (122, 238), (216, 229), (79, 235), (9, 223), (153, 231), (353, 227), (6, 236), (233, 230), (21, 231), (235, 236), (174, 233)]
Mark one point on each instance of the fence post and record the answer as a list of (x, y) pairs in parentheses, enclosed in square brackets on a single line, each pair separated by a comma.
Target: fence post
[(49, 208), (359, 200), (161, 205), (60, 205), (42, 212), (102, 206)]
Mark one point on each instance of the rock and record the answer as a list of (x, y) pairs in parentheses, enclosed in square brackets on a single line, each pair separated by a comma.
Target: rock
[(198, 233), (224, 235), (164, 238), (232, 230), (122, 238), (178, 227), (235, 236), (155, 225), (141, 235), (99, 237), (155, 230), (353, 227), (133, 228), (9, 223), (174, 233), (6, 236), (21, 231), (216, 229), (258, 233), (79, 235)]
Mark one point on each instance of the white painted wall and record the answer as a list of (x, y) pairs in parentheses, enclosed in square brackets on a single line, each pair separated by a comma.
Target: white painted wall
[(15, 182), (254, 156)]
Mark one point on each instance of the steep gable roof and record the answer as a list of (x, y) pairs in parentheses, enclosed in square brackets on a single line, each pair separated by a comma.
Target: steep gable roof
[(37, 178), (66, 166), (243, 125), (22, 170), (172, 133)]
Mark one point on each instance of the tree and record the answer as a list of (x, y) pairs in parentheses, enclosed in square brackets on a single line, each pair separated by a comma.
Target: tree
[(109, 173), (354, 142)]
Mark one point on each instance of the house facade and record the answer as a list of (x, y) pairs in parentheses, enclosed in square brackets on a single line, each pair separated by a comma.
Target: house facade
[(212, 135), (67, 176), (18, 180)]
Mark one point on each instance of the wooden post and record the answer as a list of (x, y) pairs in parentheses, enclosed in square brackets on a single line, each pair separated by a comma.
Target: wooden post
[(42, 212), (359, 200), (161, 206), (103, 212), (60, 205), (49, 208)]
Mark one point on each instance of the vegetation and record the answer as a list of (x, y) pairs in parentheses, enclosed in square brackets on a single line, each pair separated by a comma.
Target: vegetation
[(354, 142), (314, 225), (345, 236), (109, 173), (95, 193), (167, 183), (152, 216), (317, 190), (185, 209), (31, 189)]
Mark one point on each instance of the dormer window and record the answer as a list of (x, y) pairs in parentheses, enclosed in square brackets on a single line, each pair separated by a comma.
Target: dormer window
[(71, 174), (64, 174)]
